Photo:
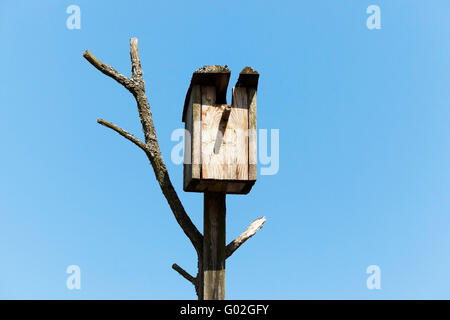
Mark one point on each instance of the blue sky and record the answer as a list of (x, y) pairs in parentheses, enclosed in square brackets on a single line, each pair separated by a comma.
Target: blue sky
[(364, 173)]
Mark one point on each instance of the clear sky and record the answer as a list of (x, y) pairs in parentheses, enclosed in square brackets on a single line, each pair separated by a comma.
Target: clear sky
[(364, 173)]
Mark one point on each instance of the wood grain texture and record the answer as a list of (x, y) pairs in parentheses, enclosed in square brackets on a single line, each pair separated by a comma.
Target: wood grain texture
[(239, 117), (247, 234), (196, 131), (192, 141), (224, 137), (214, 250), (214, 284), (187, 165), (252, 135), (214, 75)]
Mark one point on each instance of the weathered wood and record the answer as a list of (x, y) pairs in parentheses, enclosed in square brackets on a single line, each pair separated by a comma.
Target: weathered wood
[(209, 129), (215, 75), (224, 136), (226, 186), (196, 131), (252, 133), (247, 234), (187, 163), (239, 126), (248, 78), (214, 252), (192, 143)]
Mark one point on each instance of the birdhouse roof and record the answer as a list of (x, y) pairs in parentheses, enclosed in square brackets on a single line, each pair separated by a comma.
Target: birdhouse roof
[(219, 76)]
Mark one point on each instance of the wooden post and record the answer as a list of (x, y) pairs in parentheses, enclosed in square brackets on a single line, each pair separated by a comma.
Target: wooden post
[(214, 246)]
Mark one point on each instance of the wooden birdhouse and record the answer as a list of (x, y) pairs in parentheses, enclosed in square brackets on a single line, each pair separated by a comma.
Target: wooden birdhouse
[(220, 142)]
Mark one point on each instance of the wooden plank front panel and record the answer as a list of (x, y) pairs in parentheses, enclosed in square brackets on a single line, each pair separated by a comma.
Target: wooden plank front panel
[(224, 136), (187, 167), (252, 142), (239, 122), (196, 131)]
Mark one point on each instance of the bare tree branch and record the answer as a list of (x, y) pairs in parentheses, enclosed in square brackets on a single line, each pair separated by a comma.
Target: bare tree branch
[(109, 71), (136, 68), (136, 86), (155, 156), (247, 234), (124, 134), (184, 273)]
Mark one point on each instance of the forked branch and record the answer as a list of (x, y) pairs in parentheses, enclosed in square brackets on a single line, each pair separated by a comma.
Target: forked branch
[(136, 86), (108, 70)]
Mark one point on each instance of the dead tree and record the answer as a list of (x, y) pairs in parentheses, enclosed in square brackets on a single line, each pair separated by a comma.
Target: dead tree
[(136, 86)]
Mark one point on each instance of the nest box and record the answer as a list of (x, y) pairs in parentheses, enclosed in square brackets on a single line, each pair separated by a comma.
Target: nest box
[(220, 142)]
